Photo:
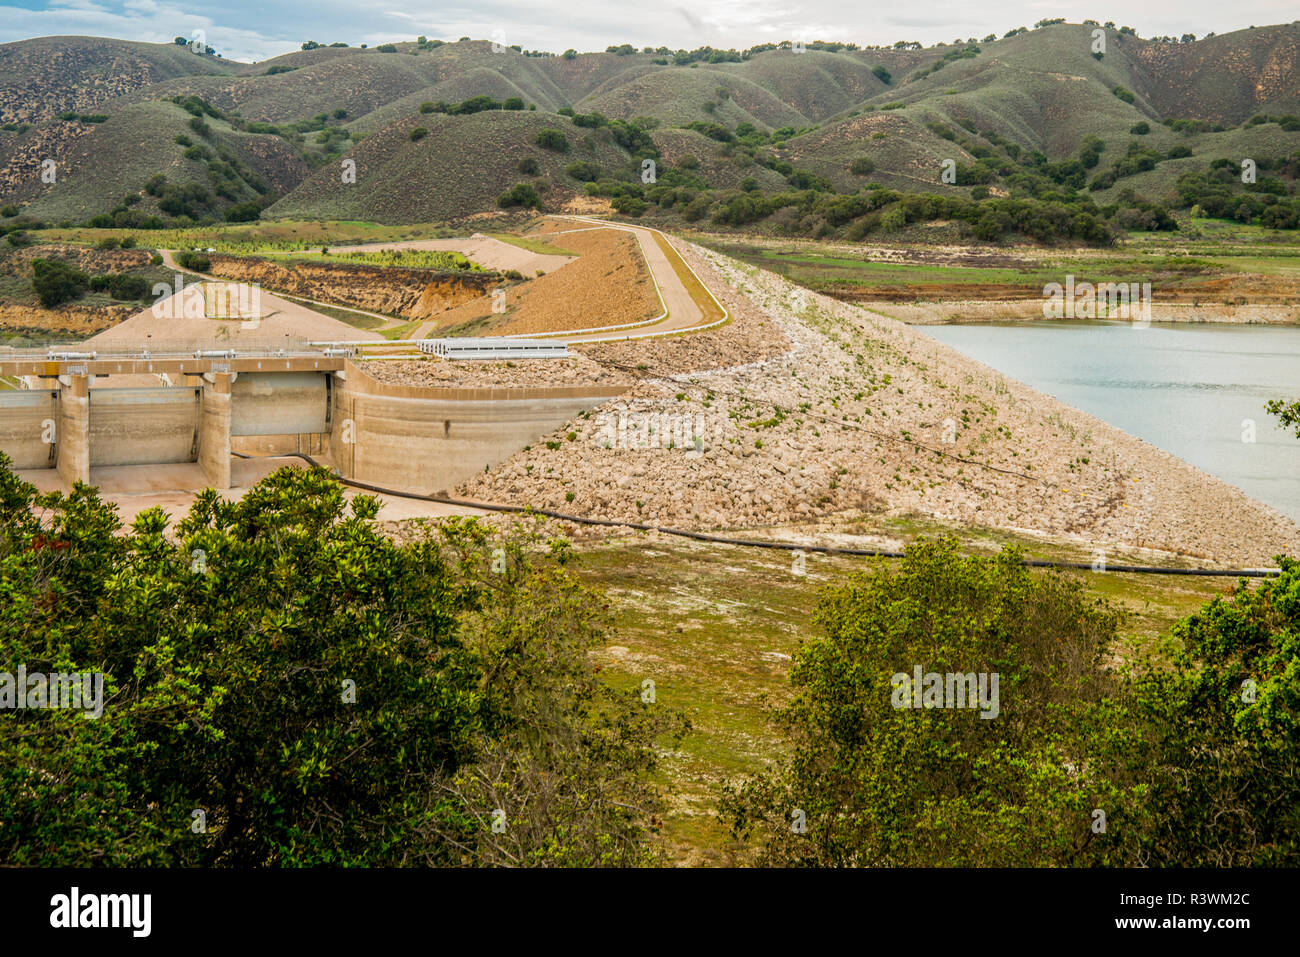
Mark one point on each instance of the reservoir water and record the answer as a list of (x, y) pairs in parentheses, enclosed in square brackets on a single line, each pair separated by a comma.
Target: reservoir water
[(1191, 389)]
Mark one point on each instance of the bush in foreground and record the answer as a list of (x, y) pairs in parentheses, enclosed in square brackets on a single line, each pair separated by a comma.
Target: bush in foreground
[(1187, 761), (285, 686)]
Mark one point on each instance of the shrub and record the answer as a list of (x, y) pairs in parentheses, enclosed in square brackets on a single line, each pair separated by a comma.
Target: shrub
[(1140, 129), (630, 205), (552, 140), (1125, 95), (418, 134), (862, 166), (529, 166), (121, 286), (881, 74), (244, 212), (193, 261), (475, 104), (583, 171), (8, 211), (56, 282), (426, 107), (108, 242), (523, 194), (884, 784)]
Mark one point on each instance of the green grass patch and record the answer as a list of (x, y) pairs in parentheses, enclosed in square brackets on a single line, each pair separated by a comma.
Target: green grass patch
[(539, 246), (715, 626)]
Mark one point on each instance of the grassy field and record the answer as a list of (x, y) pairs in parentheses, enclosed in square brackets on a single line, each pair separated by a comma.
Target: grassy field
[(532, 244), (434, 259), (715, 627), (1188, 267), (260, 238)]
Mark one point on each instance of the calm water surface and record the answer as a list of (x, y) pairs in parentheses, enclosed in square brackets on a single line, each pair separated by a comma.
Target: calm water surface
[(1185, 388)]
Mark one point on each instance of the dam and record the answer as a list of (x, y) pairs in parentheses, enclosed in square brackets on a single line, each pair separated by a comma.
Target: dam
[(80, 412)]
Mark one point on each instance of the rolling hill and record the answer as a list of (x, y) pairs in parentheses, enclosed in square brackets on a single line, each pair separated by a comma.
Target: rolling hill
[(105, 112)]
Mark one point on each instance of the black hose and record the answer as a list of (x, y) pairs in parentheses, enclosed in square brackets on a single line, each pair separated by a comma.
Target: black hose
[(757, 543)]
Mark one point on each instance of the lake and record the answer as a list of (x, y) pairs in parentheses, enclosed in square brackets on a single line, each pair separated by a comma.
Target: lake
[(1186, 388)]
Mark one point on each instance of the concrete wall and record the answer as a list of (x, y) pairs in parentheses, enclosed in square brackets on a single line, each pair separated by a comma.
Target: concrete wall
[(72, 455), (430, 439), (150, 426), (214, 430), (28, 421), (278, 403), (409, 437)]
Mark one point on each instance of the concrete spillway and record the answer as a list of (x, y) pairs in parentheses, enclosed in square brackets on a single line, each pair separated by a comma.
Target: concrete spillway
[(410, 437)]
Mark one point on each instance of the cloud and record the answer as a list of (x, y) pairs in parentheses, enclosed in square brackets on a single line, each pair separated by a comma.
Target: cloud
[(248, 30)]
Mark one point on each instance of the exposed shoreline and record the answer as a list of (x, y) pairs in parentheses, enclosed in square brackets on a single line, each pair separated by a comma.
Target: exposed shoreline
[(1031, 310)]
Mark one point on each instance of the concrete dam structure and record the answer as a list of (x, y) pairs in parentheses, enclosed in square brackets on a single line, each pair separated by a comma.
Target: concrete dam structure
[(73, 418)]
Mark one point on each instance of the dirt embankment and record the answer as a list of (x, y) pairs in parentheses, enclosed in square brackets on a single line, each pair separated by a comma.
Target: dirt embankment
[(410, 293), (806, 407), (66, 322), (18, 262), (607, 285)]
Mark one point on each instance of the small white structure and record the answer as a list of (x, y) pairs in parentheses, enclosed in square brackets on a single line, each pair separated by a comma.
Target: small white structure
[(469, 347)]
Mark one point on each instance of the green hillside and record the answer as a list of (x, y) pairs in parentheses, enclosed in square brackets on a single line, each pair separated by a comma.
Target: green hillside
[(115, 160), (1038, 115), (462, 165)]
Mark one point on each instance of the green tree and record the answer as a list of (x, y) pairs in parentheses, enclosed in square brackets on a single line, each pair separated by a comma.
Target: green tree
[(1225, 725), (1288, 415), (320, 693), (552, 140), (876, 783), (523, 194), (56, 282)]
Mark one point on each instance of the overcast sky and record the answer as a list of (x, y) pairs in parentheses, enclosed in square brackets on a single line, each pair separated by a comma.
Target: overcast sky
[(257, 29)]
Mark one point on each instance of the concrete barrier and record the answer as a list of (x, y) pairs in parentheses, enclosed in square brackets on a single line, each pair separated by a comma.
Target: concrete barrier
[(148, 426), (278, 403), (411, 437), (432, 438), (213, 446), (28, 427), (72, 452)]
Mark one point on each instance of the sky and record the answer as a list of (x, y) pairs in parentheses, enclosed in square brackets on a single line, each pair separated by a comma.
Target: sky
[(258, 29)]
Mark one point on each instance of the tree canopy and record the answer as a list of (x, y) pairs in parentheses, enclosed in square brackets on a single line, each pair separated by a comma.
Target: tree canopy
[(1181, 760), (284, 685)]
